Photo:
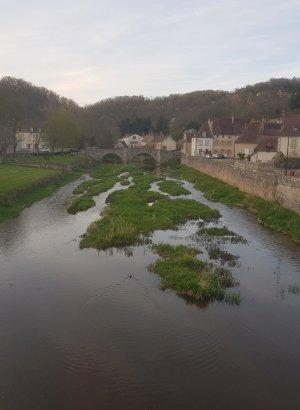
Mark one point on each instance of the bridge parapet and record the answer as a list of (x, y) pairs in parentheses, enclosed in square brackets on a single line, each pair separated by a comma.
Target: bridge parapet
[(130, 154)]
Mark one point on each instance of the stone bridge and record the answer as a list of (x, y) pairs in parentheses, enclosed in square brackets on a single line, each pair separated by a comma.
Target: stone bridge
[(127, 155)]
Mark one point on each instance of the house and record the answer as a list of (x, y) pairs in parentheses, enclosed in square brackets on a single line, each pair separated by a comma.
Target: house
[(30, 140), (259, 138), (202, 142), (133, 140), (289, 140), (187, 141), (165, 142), (225, 131)]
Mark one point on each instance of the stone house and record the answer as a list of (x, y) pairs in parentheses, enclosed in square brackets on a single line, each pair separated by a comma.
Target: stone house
[(165, 142), (289, 140), (225, 131), (187, 141), (259, 138)]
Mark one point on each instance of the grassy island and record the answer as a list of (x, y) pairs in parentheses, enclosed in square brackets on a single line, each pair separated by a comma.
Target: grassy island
[(191, 278), (172, 188), (136, 212)]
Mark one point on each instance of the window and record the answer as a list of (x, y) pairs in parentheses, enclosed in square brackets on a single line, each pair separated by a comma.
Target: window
[(293, 143), (200, 142), (134, 137), (206, 143)]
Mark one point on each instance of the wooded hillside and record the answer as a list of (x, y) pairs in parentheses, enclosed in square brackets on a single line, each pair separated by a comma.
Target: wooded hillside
[(23, 104)]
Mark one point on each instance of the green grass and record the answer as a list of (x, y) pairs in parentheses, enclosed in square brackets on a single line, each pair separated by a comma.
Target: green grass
[(84, 186), (101, 186), (90, 189), (81, 204), (172, 188), (216, 253), (191, 278), (129, 217), (21, 186), (44, 159), (104, 178), (268, 213), (125, 182), (14, 177)]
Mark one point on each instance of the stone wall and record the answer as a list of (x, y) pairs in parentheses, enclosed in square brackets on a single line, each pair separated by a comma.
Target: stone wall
[(267, 185)]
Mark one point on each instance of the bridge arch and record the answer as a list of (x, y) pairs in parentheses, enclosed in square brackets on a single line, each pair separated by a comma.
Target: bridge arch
[(143, 157), (112, 158)]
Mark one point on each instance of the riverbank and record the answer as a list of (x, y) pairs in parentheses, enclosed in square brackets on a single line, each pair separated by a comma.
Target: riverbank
[(22, 185), (268, 213), (263, 183)]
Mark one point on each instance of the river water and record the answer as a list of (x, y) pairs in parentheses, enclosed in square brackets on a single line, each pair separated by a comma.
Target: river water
[(83, 329)]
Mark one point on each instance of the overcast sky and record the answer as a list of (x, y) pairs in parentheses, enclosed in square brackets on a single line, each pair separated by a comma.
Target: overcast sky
[(94, 49)]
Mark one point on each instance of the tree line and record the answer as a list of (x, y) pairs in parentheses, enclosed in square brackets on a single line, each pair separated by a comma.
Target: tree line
[(65, 124)]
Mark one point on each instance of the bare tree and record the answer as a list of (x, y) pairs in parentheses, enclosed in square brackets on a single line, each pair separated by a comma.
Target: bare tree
[(6, 139)]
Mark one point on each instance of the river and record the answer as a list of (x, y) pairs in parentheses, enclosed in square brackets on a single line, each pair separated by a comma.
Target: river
[(83, 329)]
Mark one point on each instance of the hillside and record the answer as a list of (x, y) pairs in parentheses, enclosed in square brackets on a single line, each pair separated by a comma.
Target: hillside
[(103, 122)]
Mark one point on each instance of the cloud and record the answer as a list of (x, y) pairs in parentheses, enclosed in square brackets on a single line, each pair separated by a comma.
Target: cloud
[(97, 49)]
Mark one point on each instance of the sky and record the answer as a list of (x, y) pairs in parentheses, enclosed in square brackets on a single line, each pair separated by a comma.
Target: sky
[(95, 49)]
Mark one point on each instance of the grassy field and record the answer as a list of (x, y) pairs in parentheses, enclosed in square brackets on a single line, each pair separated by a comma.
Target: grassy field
[(20, 186), (191, 278), (268, 213), (59, 159), (21, 177)]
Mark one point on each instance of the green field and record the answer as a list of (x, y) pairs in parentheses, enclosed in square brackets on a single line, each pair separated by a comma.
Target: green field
[(21, 186), (21, 177), (60, 160)]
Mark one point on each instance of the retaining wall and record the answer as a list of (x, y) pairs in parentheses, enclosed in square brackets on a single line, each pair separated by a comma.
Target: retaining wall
[(270, 186)]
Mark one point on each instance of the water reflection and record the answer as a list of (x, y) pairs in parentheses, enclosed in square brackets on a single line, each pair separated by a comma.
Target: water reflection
[(87, 329)]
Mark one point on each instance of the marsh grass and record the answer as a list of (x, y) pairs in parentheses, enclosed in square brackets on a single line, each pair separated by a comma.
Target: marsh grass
[(172, 188), (128, 218), (216, 253), (89, 189), (81, 204), (101, 186), (220, 234), (125, 182), (268, 213), (81, 189), (191, 278)]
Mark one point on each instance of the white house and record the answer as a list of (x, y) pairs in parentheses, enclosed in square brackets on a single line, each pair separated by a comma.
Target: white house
[(133, 141), (201, 144), (31, 140)]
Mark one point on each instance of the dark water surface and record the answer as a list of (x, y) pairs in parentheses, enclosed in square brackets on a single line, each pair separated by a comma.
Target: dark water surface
[(77, 332)]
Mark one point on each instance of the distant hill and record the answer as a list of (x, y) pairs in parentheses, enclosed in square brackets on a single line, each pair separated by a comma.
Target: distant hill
[(103, 122)]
